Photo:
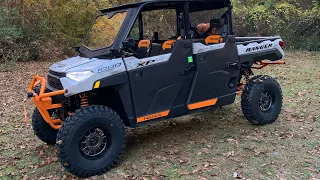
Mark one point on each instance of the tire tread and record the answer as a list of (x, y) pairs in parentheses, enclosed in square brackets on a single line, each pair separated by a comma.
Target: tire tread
[(71, 123), (248, 95), (42, 129)]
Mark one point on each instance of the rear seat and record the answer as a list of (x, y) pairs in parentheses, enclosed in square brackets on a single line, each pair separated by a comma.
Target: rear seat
[(167, 46), (213, 39), (143, 46)]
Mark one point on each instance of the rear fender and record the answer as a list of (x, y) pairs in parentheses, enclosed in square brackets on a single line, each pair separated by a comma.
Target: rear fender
[(266, 50)]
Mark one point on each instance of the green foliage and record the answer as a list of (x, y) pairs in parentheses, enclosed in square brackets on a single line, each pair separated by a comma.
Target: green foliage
[(46, 29), (298, 27), (9, 29)]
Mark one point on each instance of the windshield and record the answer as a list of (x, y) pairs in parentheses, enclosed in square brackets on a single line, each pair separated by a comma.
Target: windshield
[(104, 31)]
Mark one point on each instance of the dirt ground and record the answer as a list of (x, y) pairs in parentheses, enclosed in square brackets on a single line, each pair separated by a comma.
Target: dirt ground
[(214, 144)]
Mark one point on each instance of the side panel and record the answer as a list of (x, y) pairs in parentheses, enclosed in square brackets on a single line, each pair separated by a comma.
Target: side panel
[(156, 82), (216, 76)]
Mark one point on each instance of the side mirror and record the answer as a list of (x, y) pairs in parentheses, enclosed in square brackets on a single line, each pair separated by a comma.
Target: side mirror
[(129, 43)]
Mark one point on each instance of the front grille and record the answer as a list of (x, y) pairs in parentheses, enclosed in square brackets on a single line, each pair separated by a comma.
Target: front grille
[(59, 74), (54, 82)]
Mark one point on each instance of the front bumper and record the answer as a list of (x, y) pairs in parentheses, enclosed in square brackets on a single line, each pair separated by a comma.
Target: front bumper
[(43, 101)]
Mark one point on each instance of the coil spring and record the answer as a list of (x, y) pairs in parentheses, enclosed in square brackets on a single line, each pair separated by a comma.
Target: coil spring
[(84, 100)]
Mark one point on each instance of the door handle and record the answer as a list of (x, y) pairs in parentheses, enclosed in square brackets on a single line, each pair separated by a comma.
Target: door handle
[(186, 71), (232, 65)]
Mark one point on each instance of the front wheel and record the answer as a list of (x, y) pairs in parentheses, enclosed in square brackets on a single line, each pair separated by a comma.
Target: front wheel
[(91, 141), (42, 129), (261, 101)]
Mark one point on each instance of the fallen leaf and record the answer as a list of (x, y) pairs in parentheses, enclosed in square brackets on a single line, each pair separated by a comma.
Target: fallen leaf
[(236, 175), (233, 141), (59, 142), (196, 170), (205, 150), (184, 173), (228, 154), (206, 165)]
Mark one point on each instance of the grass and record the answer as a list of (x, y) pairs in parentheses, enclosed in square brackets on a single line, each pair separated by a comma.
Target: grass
[(8, 66), (212, 144)]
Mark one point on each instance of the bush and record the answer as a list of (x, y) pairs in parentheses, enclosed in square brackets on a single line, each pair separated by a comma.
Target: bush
[(46, 29), (297, 26)]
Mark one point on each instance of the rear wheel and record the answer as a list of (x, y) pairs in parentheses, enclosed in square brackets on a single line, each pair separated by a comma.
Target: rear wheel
[(42, 129), (91, 141), (261, 100)]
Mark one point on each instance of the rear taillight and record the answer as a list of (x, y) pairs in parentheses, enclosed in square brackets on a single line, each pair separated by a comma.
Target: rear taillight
[(281, 43)]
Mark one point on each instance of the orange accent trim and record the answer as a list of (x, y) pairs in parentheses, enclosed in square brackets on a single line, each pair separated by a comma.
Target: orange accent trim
[(240, 89), (144, 43), (214, 39), (43, 101), (202, 104), (262, 64), (153, 116), (168, 44), (25, 113), (36, 83)]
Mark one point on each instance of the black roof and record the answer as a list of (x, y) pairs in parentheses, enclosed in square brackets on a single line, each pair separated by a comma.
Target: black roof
[(194, 5)]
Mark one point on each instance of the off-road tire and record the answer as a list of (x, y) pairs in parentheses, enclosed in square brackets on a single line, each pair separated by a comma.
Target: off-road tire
[(42, 129), (250, 101), (73, 130)]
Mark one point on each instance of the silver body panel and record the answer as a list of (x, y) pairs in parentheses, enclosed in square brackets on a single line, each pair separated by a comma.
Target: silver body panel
[(103, 68)]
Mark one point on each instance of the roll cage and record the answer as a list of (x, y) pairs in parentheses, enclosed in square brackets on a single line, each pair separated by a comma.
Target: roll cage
[(134, 12)]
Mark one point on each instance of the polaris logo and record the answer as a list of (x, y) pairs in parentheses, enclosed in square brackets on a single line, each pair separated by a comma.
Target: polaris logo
[(110, 67), (259, 48)]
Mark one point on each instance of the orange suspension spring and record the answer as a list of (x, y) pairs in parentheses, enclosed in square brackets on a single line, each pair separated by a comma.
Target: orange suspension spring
[(84, 100)]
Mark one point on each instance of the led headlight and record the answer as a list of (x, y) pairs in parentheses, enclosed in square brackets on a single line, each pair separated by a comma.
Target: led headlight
[(79, 76)]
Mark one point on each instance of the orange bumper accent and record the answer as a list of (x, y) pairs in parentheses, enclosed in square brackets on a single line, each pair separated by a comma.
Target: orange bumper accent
[(43, 101)]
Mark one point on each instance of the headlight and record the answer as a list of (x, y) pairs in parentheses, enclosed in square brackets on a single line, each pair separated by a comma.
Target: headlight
[(79, 76)]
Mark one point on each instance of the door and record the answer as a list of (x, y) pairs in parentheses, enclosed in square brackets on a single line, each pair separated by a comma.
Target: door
[(157, 81), (216, 76)]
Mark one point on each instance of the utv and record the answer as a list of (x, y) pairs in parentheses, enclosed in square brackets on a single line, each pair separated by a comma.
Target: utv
[(123, 77)]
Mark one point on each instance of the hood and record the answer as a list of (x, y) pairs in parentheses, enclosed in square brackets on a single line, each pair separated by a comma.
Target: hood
[(78, 64)]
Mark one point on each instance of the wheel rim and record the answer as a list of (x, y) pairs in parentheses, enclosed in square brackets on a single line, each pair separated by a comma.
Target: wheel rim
[(266, 101), (94, 142)]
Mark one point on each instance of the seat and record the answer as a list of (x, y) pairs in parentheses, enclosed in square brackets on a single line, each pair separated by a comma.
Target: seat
[(216, 28), (143, 47), (167, 46), (156, 49), (214, 39)]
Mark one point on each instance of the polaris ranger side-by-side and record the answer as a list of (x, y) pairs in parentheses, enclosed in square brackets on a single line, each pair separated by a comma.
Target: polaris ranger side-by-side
[(124, 78)]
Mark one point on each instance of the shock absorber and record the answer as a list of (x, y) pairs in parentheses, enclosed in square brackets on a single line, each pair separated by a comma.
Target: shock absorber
[(84, 100)]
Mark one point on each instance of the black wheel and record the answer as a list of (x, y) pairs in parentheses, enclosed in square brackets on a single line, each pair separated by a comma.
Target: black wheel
[(42, 129), (91, 141), (261, 100)]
